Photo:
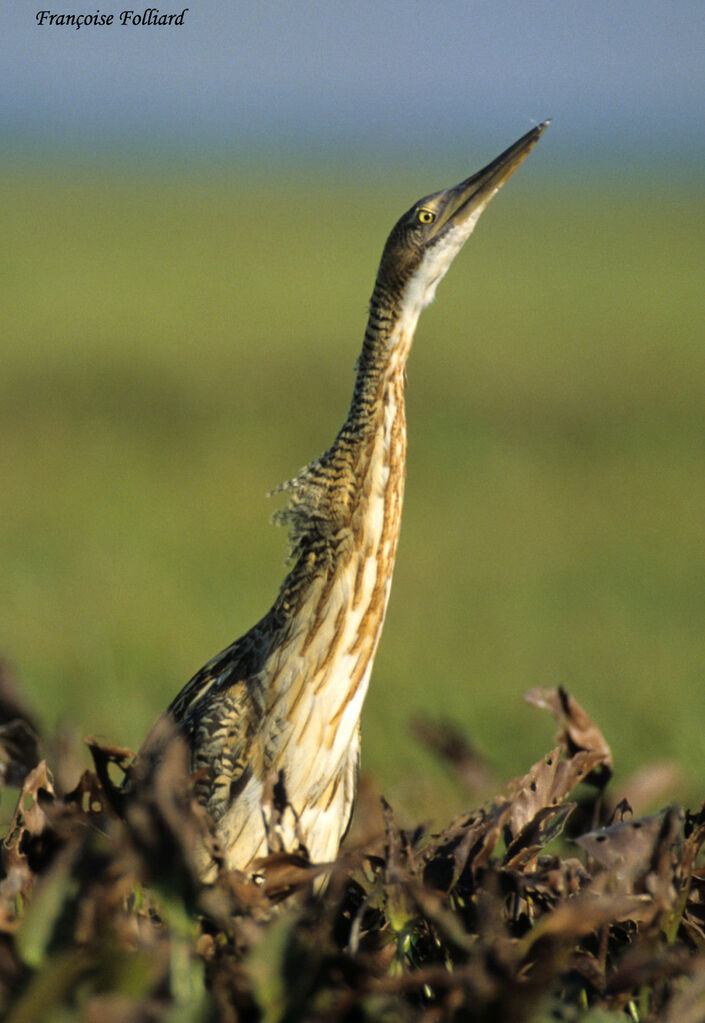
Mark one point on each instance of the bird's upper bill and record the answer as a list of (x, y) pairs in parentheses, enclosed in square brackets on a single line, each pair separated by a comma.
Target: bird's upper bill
[(460, 206)]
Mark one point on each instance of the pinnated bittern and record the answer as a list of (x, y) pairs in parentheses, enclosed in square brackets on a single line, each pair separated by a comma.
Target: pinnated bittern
[(283, 702)]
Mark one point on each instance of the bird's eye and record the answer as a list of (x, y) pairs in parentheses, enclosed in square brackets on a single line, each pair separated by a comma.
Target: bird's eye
[(425, 217)]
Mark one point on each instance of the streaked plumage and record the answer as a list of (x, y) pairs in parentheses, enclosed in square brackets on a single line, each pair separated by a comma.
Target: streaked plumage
[(283, 703)]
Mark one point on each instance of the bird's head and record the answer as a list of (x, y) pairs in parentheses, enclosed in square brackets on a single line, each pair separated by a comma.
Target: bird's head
[(424, 242)]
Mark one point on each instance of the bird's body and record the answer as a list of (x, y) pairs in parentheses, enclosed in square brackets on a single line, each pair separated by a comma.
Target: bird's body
[(281, 706)]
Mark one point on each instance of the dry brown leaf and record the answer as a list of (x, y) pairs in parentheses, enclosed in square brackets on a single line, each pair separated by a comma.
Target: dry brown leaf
[(464, 847), (481, 935), (578, 730), (170, 828), (88, 795), (548, 783), (694, 831), (555, 878), (284, 873), (29, 817), (546, 824), (120, 758), (585, 914), (28, 823), (633, 848)]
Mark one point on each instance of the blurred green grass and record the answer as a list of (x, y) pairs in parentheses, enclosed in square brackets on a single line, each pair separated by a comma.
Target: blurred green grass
[(173, 349)]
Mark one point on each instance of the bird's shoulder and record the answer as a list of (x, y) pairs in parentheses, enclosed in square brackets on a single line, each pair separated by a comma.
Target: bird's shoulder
[(224, 690)]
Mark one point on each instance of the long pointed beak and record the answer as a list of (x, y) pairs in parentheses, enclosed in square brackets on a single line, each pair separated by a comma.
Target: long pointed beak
[(465, 202)]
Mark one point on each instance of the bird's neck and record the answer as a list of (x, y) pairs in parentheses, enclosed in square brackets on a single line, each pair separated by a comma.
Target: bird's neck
[(390, 330), (346, 504), (344, 517)]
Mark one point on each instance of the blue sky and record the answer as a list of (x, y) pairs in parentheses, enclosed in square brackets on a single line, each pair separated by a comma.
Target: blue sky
[(624, 80)]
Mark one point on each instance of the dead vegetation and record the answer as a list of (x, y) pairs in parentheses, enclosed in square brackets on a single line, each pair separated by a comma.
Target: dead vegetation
[(547, 902)]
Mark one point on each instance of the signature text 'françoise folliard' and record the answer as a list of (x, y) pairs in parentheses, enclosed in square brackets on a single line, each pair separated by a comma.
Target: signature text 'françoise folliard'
[(150, 16)]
